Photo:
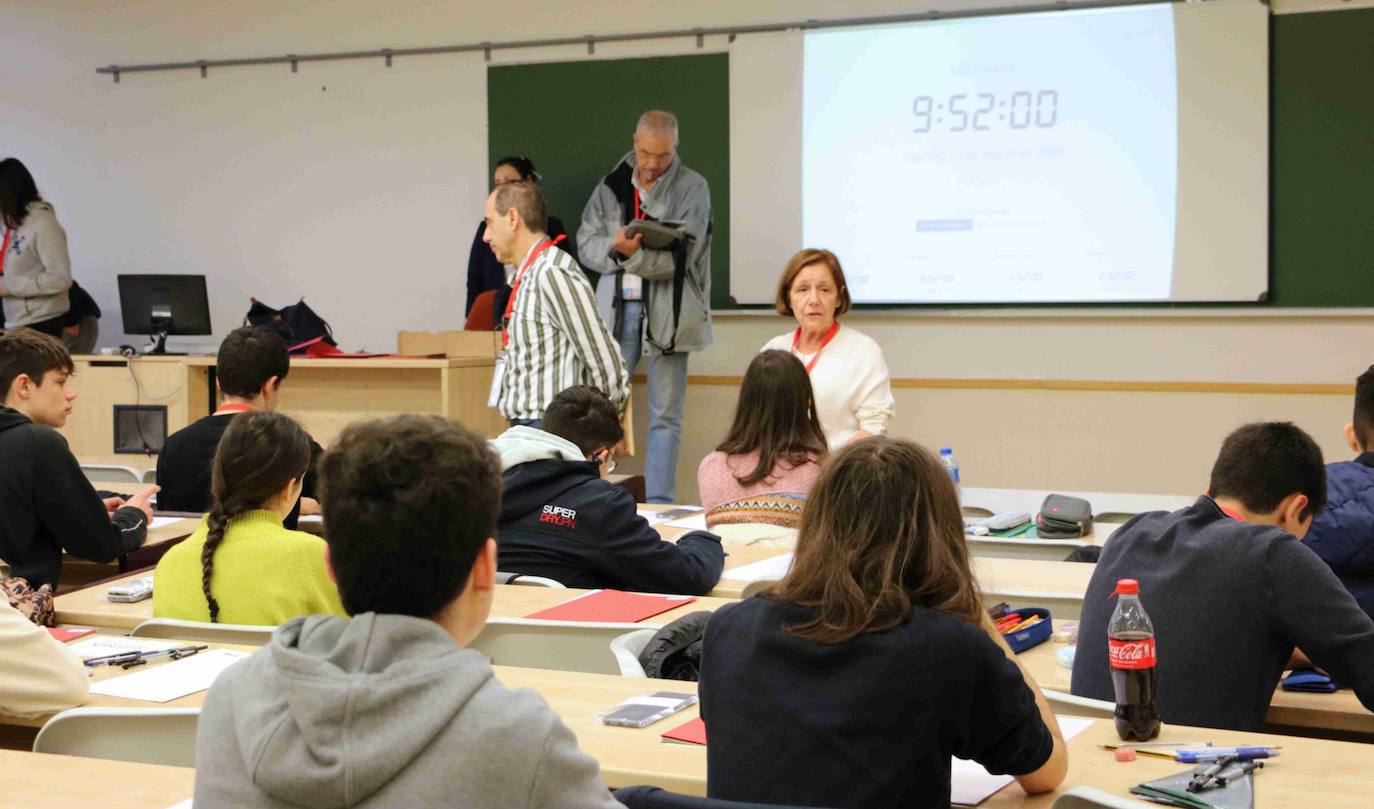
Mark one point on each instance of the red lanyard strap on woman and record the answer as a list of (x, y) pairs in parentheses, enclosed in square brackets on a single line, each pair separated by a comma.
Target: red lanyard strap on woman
[(5, 248), (830, 335), (515, 288)]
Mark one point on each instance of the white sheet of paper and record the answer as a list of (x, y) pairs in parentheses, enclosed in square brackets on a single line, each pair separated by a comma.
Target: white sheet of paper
[(656, 517), (772, 568), (186, 804), (159, 522), (173, 680), (696, 522), (970, 784), (317, 519), (104, 645)]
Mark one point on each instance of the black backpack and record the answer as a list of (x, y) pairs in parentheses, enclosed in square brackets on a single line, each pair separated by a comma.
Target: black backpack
[(297, 324)]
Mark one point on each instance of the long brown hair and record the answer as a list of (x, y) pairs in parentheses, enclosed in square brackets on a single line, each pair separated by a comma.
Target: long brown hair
[(881, 533), (259, 454), (776, 416)]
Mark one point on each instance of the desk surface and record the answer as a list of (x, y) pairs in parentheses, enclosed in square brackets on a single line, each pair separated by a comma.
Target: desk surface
[(1029, 500), (89, 607), (1310, 772), (1338, 711), (387, 363), (65, 782)]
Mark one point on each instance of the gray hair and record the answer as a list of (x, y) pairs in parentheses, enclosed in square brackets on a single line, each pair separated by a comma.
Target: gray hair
[(658, 122)]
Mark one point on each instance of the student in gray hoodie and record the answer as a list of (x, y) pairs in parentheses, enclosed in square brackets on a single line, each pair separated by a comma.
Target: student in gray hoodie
[(389, 709)]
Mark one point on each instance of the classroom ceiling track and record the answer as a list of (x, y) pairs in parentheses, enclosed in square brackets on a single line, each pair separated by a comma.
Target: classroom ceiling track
[(592, 40)]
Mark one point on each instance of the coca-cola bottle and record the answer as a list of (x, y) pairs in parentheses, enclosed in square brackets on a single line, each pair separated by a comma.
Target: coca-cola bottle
[(1131, 645)]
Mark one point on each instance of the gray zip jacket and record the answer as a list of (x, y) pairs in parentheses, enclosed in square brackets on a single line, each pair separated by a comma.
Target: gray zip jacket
[(382, 711), (679, 195), (38, 272)]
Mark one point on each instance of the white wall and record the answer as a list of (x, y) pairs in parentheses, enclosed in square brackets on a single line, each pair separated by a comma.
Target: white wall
[(360, 187)]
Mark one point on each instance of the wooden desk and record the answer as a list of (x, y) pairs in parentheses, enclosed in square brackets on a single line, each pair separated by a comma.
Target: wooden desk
[(993, 501), (1045, 550), (89, 607), (103, 382), (1340, 711), (68, 782), (1057, 586), (326, 395), (1310, 772)]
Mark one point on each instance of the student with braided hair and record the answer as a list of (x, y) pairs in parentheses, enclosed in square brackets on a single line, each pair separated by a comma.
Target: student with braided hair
[(242, 566)]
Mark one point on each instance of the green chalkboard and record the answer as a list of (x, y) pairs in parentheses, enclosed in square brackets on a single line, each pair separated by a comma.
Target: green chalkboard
[(1322, 159), (575, 120)]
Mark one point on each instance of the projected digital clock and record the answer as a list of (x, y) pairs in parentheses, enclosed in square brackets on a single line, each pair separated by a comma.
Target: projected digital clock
[(982, 112)]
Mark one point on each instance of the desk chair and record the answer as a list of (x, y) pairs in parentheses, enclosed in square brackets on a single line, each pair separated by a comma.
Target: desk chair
[(528, 581), (204, 632), (647, 797), (755, 587), (559, 645), (626, 649), (101, 472), (482, 315), (150, 476), (147, 735), (1082, 797), (1070, 705), (1114, 516)]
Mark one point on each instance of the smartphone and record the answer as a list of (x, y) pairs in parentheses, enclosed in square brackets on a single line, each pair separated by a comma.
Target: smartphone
[(646, 709)]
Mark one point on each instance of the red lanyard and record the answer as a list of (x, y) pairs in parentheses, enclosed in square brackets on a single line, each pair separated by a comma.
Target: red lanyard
[(1233, 515), (234, 407), (5, 249), (830, 335), (639, 214), (515, 288)]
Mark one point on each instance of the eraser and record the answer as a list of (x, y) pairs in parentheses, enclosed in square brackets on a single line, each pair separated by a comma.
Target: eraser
[(1125, 754)]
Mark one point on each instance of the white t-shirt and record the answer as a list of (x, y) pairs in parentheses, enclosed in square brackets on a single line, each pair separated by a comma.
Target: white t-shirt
[(852, 385)]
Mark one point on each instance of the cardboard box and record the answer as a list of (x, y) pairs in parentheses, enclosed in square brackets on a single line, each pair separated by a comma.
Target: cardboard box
[(449, 343)]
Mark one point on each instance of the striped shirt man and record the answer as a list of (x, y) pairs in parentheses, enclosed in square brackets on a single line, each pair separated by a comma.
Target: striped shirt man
[(557, 340)]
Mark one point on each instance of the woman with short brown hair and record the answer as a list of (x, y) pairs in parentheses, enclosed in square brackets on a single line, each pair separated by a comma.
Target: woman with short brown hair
[(853, 680), (850, 378)]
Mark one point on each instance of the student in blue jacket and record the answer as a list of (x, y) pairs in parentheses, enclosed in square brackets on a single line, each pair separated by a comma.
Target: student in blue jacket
[(560, 519), (1343, 532)]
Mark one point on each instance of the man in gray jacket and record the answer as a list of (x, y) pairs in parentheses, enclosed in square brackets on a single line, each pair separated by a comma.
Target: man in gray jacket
[(658, 301), (389, 709)]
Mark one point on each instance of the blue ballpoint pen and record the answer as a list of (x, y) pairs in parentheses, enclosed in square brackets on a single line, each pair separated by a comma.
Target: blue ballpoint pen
[(1213, 753)]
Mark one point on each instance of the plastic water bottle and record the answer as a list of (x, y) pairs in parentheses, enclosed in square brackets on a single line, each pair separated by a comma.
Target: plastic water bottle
[(951, 465), (1131, 650)]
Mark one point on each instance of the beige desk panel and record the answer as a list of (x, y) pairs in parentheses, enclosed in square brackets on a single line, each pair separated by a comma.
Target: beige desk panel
[(66, 782)]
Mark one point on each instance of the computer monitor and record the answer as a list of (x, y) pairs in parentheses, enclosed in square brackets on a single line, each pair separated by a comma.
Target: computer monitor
[(160, 305)]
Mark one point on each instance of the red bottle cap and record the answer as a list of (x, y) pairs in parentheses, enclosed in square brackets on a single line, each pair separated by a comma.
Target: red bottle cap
[(1127, 587)]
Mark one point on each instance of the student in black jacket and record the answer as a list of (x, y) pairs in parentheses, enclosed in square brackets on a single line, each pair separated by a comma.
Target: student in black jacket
[(46, 503), (252, 364), (561, 520), (1231, 590)]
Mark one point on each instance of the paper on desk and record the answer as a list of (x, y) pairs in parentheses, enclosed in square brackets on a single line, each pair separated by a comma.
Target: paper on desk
[(168, 681), (310, 518), (162, 522), (104, 645), (678, 512), (697, 522), (772, 568), (186, 804), (970, 784)]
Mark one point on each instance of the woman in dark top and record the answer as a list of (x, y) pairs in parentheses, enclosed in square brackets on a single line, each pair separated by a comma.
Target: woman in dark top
[(484, 271), (854, 680)]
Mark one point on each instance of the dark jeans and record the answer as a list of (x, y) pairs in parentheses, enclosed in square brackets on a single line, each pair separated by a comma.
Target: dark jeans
[(51, 326)]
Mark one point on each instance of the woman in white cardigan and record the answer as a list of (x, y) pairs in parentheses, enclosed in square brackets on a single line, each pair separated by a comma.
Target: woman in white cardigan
[(38, 675), (848, 374)]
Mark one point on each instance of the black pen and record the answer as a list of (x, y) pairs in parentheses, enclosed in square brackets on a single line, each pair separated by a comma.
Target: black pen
[(126, 658), (1245, 768), (1200, 780)]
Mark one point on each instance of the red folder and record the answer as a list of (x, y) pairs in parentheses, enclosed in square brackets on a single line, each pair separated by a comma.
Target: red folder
[(612, 606), (693, 732), (62, 634)]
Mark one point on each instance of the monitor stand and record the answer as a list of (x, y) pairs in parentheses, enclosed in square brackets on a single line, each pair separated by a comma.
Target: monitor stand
[(158, 348)]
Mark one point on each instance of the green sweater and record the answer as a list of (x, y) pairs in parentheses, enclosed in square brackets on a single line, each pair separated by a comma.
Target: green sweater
[(263, 574)]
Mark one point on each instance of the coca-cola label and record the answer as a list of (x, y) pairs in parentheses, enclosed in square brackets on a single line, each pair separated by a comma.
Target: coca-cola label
[(1131, 654)]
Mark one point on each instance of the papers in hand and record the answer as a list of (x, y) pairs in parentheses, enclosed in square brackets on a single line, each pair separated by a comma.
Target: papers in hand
[(970, 784), (770, 569), (168, 681)]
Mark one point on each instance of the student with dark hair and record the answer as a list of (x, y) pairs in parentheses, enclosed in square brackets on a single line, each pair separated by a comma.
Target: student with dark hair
[(1230, 589), (35, 270), (1343, 532), (875, 644), (46, 503), (560, 519), (249, 371), (771, 456), (241, 566), (485, 271), (388, 709)]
